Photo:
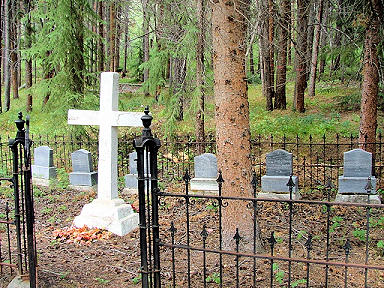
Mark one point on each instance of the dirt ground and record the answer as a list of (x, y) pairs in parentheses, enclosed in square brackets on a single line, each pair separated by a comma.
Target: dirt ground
[(67, 258)]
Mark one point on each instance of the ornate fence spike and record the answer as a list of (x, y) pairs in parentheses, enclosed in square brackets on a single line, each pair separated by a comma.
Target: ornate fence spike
[(272, 240), (220, 179), (290, 183), (254, 181), (369, 186), (308, 243), (237, 237), (186, 176), (204, 233), (328, 184), (347, 247), (172, 229)]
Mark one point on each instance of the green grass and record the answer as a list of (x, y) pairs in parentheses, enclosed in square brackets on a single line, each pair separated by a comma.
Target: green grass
[(326, 113)]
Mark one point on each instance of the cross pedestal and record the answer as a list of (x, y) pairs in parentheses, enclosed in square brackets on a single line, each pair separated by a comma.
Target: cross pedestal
[(107, 211)]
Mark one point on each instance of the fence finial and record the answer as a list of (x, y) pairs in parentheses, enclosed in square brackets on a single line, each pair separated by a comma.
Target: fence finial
[(147, 120)]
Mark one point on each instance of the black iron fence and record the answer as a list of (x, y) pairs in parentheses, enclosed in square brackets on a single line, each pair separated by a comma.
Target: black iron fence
[(304, 243), (313, 160), (223, 240), (17, 230)]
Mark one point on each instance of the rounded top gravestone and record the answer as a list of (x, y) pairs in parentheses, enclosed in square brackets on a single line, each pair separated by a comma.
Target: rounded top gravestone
[(357, 163), (43, 156), (82, 161), (206, 166), (279, 163)]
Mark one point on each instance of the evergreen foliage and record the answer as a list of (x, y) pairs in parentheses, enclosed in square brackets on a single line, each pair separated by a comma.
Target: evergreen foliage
[(60, 46)]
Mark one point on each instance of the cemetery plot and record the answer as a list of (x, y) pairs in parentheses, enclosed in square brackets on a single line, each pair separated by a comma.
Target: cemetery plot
[(199, 250), (115, 262)]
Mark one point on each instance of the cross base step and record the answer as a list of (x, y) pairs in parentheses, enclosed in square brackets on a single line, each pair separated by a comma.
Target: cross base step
[(112, 215)]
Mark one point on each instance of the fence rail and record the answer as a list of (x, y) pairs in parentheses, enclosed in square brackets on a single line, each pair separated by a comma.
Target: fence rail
[(314, 161), (226, 240)]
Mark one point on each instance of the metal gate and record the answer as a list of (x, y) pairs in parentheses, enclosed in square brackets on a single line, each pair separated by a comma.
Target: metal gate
[(330, 250), (20, 253)]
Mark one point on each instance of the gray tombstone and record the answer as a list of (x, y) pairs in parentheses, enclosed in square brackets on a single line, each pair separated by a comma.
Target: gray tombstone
[(357, 170), (43, 167), (131, 179), (279, 166), (83, 174), (205, 174)]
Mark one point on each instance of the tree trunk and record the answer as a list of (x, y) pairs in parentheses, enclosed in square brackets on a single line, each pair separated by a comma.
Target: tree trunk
[(300, 54), (126, 39), (100, 44), (28, 44), (232, 117), (291, 33), (179, 69), (370, 87), (1, 53), (200, 75), (251, 60), (7, 46), (337, 40), (310, 32), (145, 39), (271, 47), (281, 77), (315, 50), (323, 37), (265, 51), (13, 52), (112, 36), (118, 35)]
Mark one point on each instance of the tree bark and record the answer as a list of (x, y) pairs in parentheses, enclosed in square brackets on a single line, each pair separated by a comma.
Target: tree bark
[(315, 50), (291, 33), (232, 116), (300, 54), (145, 39), (28, 44), (265, 54), (7, 44), (200, 75), (310, 33), (126, 39), (112, 35), (323, 37), (177, 83), (251, 60), (370, 87), (271, 47), (281, 77), (118, 35), (100, 44), (13, 52), (337, 39), (1, 53)]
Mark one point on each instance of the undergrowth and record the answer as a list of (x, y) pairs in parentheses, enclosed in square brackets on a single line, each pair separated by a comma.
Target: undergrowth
[(334, 109)]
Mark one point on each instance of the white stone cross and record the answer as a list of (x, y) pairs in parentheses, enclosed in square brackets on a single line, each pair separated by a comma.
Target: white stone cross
[(108, 118)]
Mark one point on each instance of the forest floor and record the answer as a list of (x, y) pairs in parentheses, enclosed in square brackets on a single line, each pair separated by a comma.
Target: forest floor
[(94, 258)]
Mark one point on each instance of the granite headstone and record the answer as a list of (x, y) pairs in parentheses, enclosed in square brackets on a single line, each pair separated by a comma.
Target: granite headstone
[(83, 174), (205, 168), (357, 171), (279, 167), (43, 167)]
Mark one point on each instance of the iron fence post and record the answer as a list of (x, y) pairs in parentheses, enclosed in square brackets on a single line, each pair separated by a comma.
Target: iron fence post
[(13, 144), (146, 143), (24, 215), (29, 210)]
